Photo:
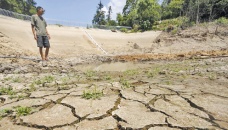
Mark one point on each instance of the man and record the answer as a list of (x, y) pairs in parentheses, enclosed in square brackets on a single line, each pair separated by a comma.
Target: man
[(40, 33)]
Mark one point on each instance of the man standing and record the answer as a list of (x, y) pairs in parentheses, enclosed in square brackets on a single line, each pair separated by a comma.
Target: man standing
[(40, 33)]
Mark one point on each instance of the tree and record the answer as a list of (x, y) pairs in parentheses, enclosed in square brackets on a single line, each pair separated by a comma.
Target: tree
[(109, 13), (99, 17), (129, 6), (120, 19), (172, 8), (20, 6)]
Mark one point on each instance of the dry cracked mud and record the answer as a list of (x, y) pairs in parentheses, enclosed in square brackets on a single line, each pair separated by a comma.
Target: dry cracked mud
[(153, 95)]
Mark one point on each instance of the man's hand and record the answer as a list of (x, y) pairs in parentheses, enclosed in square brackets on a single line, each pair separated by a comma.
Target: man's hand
[(49, 37), (35, 37)]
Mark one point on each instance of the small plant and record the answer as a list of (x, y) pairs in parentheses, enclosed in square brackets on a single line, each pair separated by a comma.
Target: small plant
[(153, 73), (38, 82), (23, 111), (90, 73), (107, 77), (65, 80), (17, 96), (16, 80), (168, 83), (78, 77), (4, 113), (48, 79), (131, 72), (7, 91), (7, 79), (174, 31), (32, 87), (94, 94), (212, 76), (125, 83)]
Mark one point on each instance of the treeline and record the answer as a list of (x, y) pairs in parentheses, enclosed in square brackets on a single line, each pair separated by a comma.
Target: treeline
[(144, 14), (20, 6)]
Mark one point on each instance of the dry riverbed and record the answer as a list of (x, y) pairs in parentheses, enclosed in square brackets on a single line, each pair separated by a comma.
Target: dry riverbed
[(162, 94)]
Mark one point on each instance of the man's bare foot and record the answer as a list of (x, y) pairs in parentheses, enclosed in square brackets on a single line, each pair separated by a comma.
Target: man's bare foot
[(44, 63)]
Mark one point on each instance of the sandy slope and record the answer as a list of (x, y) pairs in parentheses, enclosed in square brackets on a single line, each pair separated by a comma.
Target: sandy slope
[(71, 41), (16, 35)]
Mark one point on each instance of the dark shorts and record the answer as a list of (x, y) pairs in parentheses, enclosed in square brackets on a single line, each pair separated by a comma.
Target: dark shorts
[(43, 41)]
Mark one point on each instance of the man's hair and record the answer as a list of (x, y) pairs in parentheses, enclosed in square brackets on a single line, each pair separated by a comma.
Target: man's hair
[(38, 8)]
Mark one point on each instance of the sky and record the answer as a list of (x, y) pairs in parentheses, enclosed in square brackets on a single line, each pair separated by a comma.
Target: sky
[(77, 11)]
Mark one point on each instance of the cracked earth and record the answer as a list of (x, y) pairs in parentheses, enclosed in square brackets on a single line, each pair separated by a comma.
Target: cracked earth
[(150, 95)]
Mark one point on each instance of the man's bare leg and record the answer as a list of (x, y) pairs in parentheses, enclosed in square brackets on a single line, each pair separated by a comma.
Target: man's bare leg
[(41, 53), (46, 53)]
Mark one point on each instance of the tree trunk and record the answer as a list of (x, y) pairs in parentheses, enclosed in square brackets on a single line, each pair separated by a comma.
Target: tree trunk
[(197, 15)]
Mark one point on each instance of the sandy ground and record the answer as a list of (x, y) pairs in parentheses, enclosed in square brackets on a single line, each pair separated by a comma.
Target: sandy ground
[(71, 41)]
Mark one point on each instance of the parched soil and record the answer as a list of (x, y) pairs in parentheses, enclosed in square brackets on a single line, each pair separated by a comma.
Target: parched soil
[(136, 86)]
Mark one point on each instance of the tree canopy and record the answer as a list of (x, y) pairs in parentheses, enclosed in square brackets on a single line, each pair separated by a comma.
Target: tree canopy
[(20, 6), (144, 13)]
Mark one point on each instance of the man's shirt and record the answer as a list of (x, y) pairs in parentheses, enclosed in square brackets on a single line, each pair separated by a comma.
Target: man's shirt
[(40, 25)]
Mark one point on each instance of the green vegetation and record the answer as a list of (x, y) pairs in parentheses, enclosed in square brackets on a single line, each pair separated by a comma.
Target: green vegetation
[(20, 6), (222, 21), (65, 80), (23, 111), (4, 113), (32, 87), (124, 30), (212, 76), (92, 94), (17, 96), (7, 91), (107, 77), (7, 79), (154, 72), (172, 24), (46, 79), (90, 73), (125, 83), (131, 72), (16, 80), (143, 15)]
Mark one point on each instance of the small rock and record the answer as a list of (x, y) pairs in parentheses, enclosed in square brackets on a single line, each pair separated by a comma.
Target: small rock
[(136, 46)]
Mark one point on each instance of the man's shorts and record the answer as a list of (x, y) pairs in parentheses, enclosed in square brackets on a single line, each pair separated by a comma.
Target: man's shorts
[(43, 41)]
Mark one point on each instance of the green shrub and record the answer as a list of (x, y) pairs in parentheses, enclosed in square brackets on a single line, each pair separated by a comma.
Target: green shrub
[(124, 30), (135, 28), (222, 21), (92, 94), (125, 83), (146, 25), (23, 111), (177, 22), (7, 91), (174, 31)]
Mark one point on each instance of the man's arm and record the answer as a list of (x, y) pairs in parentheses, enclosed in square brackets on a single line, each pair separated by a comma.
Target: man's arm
[(48, 34), (34, 32)]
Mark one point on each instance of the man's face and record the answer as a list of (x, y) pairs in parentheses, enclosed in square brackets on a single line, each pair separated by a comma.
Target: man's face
[(41, 11)]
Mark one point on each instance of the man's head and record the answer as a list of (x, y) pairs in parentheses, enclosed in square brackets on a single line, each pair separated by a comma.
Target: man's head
[(40, 10)]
